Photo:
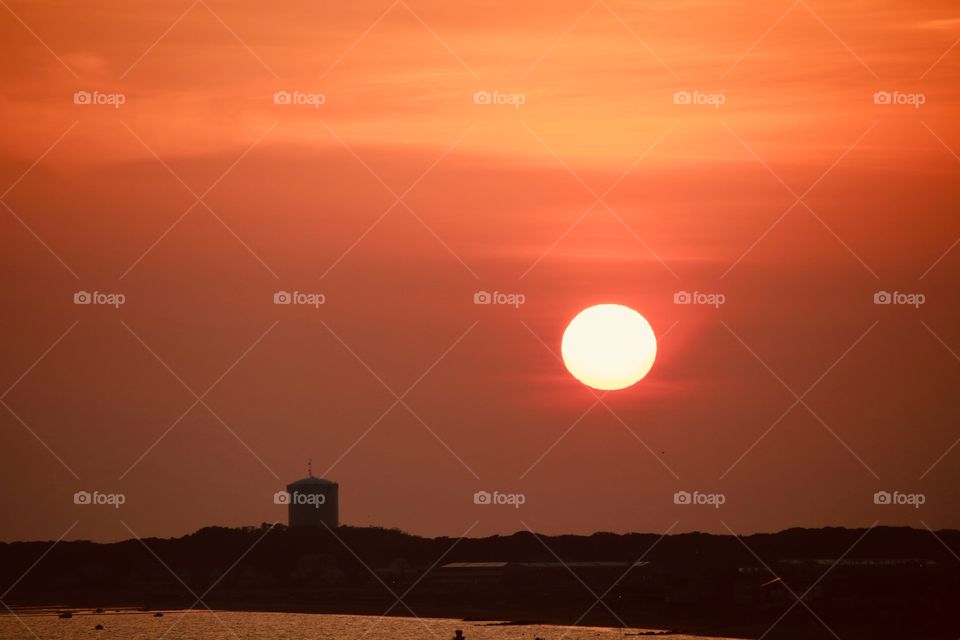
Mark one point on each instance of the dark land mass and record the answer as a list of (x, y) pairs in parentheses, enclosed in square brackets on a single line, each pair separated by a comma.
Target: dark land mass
[(805, 583)]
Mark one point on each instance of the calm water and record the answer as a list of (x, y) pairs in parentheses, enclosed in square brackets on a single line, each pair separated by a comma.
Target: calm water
[(196, 625)]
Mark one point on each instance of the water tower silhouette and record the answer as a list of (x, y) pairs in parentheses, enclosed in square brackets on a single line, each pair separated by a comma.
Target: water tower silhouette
[(314, 502)]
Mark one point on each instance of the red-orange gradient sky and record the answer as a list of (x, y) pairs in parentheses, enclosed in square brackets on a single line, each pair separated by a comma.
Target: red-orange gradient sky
[(786, 187)]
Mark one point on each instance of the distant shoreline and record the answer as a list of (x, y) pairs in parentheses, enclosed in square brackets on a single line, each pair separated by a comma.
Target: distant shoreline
[(894, 582)]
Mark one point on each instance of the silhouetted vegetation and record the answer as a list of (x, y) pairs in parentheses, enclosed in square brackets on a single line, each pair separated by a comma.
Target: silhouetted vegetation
[(892, 579)]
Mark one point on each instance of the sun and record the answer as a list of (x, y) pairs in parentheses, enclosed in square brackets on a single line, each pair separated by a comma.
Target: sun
[(609, 347)]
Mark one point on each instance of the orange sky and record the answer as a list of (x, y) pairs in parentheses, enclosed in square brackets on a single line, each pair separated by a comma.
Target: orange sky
[(797, 198)]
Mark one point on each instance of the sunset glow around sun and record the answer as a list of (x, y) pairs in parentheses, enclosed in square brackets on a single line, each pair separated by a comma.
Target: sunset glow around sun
[(609, 347)]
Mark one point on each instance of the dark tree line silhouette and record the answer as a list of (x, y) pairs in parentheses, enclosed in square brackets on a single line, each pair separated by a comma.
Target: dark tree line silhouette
[(890, 579)]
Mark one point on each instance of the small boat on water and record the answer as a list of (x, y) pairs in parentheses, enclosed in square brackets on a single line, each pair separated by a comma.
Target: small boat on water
[(65, 614)]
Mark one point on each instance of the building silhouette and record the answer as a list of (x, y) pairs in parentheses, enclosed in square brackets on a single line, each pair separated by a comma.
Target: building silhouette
[(313, 502)]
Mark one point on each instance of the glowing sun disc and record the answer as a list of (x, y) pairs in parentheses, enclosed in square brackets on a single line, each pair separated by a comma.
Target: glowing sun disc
[(609, 347)]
